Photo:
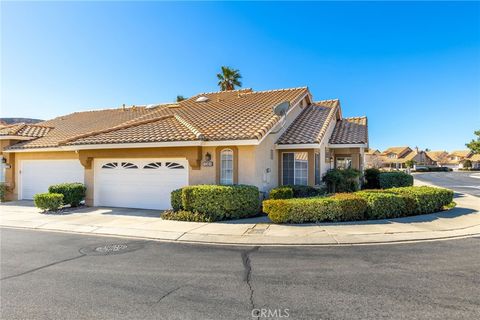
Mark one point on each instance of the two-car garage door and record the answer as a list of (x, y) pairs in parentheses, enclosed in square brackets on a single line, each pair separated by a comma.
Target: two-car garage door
[(138, 183), (131, 183)]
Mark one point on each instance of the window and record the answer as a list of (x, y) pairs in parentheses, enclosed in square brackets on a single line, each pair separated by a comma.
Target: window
[(317, 168), (2, 171), (344, 162), (110, 165), (174, 165), (153, 165), (295, 168), (129, 165), (226, 167)]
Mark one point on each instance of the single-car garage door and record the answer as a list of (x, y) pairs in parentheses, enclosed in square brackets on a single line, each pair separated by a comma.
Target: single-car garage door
[(138, 183), (37, 175)]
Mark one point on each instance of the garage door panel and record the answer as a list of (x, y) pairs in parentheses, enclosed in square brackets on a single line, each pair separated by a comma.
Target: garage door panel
[(138, 183), (37, 175)]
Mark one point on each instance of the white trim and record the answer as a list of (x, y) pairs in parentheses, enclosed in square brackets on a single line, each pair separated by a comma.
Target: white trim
[(230, 143), (16, 138), (352, 145), (297, 146)]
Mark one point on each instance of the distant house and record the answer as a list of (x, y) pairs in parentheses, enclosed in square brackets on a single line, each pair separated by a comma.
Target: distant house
[(439, 157), (456, 158), (373, 158), (397, 157), (475, 159)]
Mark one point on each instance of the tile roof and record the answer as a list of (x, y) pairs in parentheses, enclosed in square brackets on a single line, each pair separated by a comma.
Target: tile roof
[(372, 151), (310, 126), (166, 128), (228, 115), (437, 155), (396, 150), (475, 157), (25, 130), (350, 131), (460, 153)]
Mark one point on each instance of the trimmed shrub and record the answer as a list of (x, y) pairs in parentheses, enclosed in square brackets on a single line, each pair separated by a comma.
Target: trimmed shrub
[(176, 199), (382, 205), (345, 180), (48, 201), (222, 202), (281, 193), (372, 177), (425, 199), (183, 215), (301, 191), (340, 207), (395, 179), (73, 193), (3, 191)]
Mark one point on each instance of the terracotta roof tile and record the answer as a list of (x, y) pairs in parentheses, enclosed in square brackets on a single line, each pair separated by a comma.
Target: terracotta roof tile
[(25, 130), (228, 115), (310, 125), (350, 131)]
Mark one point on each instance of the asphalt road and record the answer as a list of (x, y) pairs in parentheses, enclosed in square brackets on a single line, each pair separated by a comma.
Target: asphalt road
[(47, 275), (463, 182)]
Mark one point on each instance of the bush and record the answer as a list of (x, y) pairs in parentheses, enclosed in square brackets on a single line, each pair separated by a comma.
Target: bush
[(176, 199), (3, 191), (183, 215), (342, 180), (222, 202), (340, 207), (372, 176), (382, 205), (73, 193), (395, 179), (425, 199), (48, 201), (281, 193)]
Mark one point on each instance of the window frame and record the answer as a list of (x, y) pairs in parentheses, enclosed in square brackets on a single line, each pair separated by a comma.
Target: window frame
[(294, 161), (231, 180), (343, 158)]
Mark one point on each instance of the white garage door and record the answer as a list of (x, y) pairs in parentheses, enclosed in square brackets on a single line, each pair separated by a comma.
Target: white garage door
[(37, 175), (138, 183)]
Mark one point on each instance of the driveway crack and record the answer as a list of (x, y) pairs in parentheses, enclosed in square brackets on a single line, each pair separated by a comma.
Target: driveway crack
[(247, 273), (165, 295)]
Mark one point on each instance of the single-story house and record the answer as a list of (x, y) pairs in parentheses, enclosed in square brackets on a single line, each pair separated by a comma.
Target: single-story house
[(135, 156), (397, 157)]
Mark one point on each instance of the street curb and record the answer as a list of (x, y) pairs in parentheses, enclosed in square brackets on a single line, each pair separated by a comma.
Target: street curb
[(103, 235)]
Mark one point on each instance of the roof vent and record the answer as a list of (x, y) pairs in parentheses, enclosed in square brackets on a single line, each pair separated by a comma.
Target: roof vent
[(202, 99)]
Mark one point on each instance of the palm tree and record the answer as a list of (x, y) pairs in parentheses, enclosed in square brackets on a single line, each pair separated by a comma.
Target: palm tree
[(180, 98), (228, 79)]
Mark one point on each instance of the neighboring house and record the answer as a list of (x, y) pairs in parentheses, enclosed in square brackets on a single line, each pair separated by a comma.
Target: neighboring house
[(439, 157), (397, 157), (475, 159), (134, 157), (456, 158), (373, 158)]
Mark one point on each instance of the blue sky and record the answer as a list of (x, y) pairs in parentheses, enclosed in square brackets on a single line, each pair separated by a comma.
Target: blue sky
[(412, 68)]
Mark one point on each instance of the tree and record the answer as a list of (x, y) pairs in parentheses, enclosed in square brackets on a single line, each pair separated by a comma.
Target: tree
[(410, 163), (474, 145), (467, 164), (228, 79), (180, 98)]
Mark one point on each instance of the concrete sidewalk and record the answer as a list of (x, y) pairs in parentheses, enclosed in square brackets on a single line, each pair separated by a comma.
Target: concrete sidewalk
[(463, 221)]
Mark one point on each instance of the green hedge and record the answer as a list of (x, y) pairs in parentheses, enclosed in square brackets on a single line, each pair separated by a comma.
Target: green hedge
[(372, 179), (183, 215), (281, 193), (48, 201), (221, 202), (73, 193), (395, 179), (383, 205), (340, 207), (176, 199), (3, 191), (366, 204), (342, 180), (425, 199)]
